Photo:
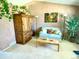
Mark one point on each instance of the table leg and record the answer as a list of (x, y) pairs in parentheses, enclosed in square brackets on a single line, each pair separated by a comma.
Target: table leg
[(58, 47)]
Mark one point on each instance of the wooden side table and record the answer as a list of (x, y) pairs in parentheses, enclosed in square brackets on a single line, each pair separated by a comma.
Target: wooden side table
[(53, 41)]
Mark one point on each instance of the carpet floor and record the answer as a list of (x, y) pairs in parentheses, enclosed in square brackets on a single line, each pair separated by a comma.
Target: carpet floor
[(43, 51)]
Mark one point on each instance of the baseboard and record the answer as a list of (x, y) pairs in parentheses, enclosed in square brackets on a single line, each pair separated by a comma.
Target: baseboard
[(9, 45)]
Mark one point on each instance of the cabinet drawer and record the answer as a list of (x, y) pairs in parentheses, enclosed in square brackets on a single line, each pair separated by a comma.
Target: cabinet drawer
[(27, 38), (19, 37)]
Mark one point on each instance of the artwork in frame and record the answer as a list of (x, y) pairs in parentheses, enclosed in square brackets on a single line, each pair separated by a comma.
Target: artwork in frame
[(50, 17)]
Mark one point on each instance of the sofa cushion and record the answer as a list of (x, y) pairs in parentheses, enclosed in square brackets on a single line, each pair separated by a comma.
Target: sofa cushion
[(50, 36)]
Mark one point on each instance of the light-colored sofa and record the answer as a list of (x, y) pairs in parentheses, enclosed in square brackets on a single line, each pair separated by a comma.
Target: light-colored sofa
[(44, 35)]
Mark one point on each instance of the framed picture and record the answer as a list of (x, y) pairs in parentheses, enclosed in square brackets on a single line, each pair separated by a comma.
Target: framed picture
[(50, 17)]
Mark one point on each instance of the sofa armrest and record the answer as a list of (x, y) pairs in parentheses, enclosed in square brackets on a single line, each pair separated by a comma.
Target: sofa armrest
[(43, 32), (60, 33)]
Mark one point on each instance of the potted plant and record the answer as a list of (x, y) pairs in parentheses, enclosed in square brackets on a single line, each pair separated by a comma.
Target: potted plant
[(7, 9), (4, 9), (72, 27)]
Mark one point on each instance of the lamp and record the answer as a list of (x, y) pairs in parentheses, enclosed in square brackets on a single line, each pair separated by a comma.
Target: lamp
[(36, 29), (36, 17), (36, 21)]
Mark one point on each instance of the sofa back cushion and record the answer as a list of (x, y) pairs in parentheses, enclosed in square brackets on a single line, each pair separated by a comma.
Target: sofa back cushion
[(50, 30)]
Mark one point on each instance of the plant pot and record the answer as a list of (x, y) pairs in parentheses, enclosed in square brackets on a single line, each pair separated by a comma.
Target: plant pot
[(72, 39)]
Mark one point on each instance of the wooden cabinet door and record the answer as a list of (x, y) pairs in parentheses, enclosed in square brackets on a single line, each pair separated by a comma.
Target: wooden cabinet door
[(18, 28), (30, 23), (17, 23), (25, 23)]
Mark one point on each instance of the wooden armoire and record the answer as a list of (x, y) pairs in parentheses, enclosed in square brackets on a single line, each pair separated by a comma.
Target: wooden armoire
[(23, 27)]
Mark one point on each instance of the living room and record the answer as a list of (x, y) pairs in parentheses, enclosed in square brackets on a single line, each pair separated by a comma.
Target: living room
[(43, 29)]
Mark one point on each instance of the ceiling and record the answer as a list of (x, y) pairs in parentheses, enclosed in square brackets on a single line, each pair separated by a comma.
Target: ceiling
[(19, 2), (68, 2)]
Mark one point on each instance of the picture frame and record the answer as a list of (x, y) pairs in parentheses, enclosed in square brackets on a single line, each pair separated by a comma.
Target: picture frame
[(51, 17)]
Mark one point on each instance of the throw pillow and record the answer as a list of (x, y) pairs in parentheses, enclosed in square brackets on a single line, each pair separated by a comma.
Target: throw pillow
[(50, 31)]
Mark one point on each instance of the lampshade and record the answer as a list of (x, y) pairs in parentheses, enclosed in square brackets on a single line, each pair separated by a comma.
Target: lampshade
[(36, 16), (19, 2)]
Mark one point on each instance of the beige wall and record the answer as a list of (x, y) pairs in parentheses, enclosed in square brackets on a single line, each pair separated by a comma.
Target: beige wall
[(39, 8), (7, 35)]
